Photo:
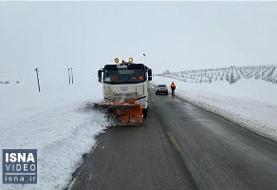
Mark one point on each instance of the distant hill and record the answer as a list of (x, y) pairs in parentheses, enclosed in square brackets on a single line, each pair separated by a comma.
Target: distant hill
[(231, 74)]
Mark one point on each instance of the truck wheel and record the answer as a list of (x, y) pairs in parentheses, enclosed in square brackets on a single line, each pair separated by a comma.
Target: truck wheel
[(144, 112)]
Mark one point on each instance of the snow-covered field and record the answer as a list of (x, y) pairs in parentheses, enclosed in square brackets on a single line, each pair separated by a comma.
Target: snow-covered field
[(55, 121), (230, 74), (251, 103)]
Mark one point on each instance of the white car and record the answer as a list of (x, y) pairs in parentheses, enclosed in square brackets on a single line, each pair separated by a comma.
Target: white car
[(162, 89)]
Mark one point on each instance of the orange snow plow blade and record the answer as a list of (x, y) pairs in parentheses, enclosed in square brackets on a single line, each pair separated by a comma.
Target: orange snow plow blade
[(128, 114), (123, 113)]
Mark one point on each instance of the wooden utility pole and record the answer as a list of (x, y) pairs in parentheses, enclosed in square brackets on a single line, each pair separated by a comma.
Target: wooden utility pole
[(36, 69), (68, 69), (71, 75)]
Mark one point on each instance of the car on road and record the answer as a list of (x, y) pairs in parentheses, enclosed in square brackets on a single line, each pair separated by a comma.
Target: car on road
[(162, 89)]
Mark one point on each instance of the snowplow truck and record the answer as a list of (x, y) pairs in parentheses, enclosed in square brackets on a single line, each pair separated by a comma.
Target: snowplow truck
[(125, 90)]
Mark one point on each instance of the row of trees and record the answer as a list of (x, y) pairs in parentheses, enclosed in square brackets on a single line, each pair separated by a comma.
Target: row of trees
[(231, 74)]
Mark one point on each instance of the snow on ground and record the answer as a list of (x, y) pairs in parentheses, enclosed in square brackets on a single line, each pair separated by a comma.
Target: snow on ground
[(55, 122), (250, 103)]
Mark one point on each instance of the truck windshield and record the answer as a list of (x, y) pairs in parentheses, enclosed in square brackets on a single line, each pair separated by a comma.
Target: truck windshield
[(124, 76)]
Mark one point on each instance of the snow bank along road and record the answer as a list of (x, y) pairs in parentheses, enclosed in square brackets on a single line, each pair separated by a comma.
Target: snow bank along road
[(179, 146)]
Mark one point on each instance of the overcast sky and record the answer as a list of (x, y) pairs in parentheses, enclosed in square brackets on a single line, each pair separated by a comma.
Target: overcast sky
[(174, 35)]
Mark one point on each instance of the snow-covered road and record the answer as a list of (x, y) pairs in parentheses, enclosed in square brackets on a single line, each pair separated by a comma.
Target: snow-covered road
[(179, 146), (249, 103)]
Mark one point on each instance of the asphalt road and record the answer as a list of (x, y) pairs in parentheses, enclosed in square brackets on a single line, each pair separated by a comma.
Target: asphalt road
[(179, 146)]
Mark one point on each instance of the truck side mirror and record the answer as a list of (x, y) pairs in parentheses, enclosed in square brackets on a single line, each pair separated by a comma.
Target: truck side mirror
[(100, 75), (149, 74)]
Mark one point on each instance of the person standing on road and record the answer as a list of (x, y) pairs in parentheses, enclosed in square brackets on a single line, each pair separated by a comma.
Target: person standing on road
[(173, 87)]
